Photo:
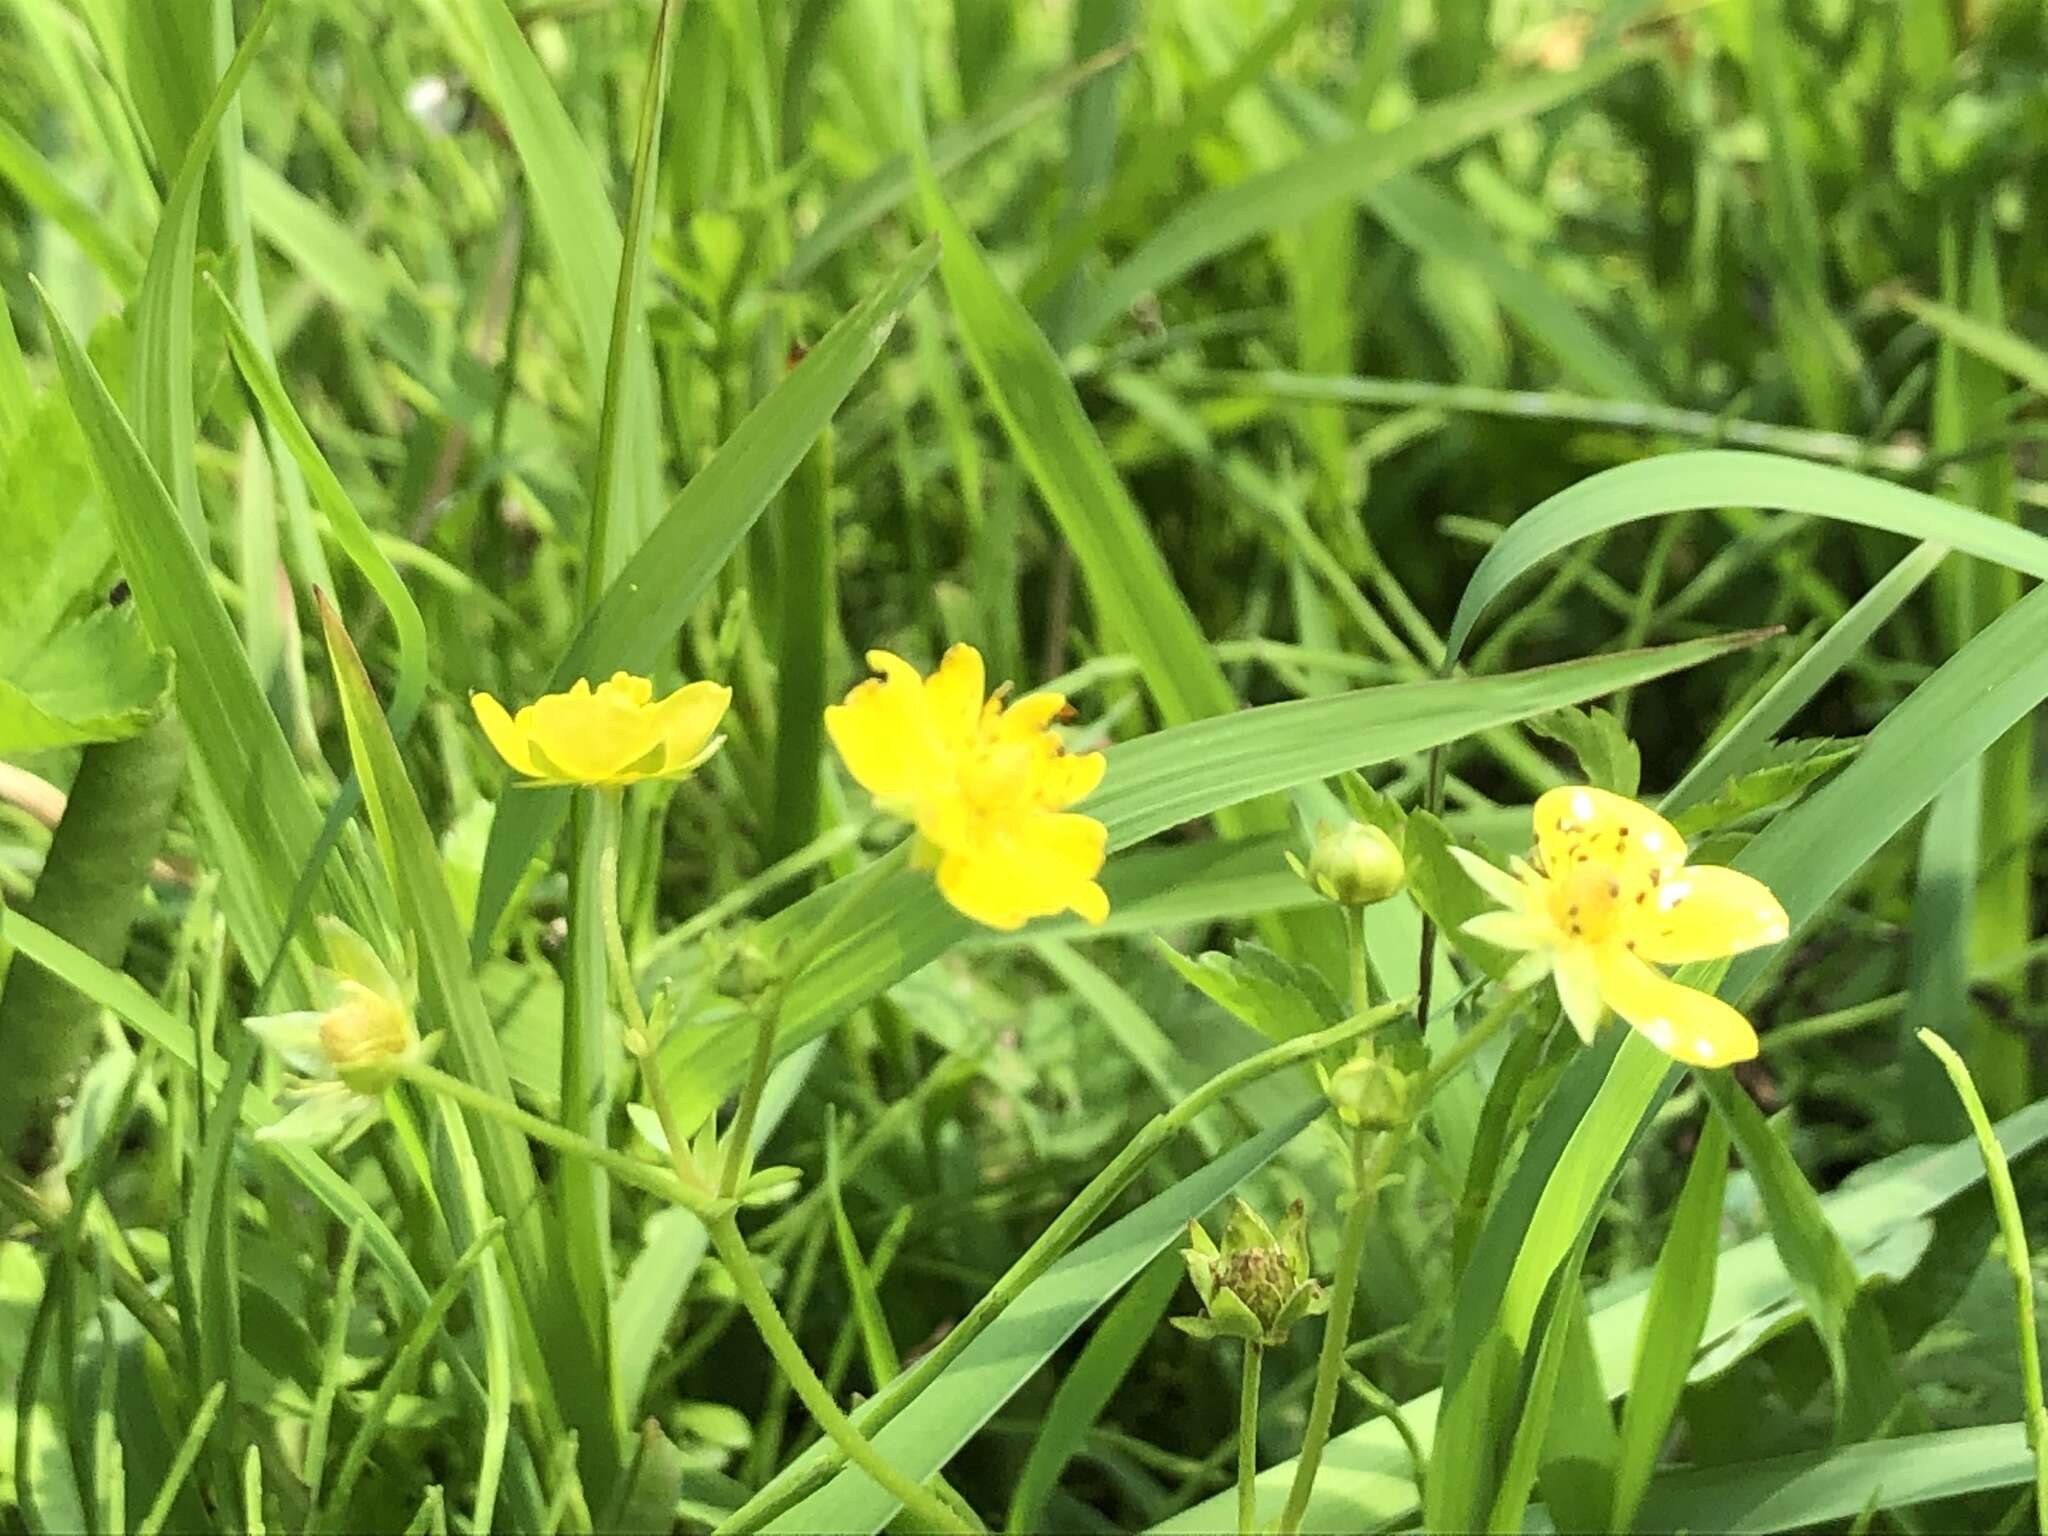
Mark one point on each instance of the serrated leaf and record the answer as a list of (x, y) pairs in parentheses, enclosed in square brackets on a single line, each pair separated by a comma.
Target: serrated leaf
[(96, 680), (1788, 769), (1279, 999), (1446, 893), (1600, 743)]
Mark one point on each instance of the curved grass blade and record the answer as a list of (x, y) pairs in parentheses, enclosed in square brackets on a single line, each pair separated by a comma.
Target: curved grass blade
[(1685, 482), (259, 817)]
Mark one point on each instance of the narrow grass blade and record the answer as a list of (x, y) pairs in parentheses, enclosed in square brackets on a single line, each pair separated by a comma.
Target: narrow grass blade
[(2019, 1265), (1087, 1388), (1675, 1316), (923, 1437)]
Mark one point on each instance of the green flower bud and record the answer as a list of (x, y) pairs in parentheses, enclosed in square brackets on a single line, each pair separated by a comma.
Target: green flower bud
[(1374, 1090), (1353, 865), (1256, 1286)]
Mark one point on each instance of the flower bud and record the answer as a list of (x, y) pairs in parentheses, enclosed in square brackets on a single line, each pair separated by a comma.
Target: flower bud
[(1256, 1286), (1374, 1090), (1353, 865)]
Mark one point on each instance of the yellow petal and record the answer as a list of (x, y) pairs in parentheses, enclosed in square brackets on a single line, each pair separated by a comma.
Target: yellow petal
[(1068, 780), (1496, 883), (685, 721), (1578, 988), (1693, 1026), (1042, 864), (1579, 820), (883, 735), (628, 689), (953, 694), (1509, 930), (504, 735), (589, 737), (1703, 912), (1035, 711)]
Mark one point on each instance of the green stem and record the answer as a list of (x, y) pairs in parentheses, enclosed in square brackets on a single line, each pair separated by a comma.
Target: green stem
[(1248, 1440), (2012, 1234), (1360, 960), (626, 1170), (738, 1152), (1446, 1066), (917, 1500), (1366, 1172)]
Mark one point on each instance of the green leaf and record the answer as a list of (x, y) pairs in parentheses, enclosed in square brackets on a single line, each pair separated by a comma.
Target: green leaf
[(1993, 344), (1608, 758), (1332, 173), (567, 189), (1816, 1488), (259, 820), (1136, 603), (97, 680), (663, 579), (1745, 742), (1278, 998), (1783, 772)]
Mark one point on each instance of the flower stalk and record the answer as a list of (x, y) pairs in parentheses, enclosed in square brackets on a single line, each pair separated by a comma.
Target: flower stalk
[(1248, 1439)]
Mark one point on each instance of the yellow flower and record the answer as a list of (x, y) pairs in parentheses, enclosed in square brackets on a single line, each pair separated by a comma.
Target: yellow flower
[(1609, 898), (344, 1054), (617, 733), (987, 787)]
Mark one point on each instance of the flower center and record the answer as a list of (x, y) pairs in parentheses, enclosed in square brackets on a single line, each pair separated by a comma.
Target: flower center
[(1585, 901), (361, 1030)]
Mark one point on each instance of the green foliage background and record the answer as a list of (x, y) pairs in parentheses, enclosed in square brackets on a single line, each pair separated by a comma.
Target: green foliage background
[(1335, 398)]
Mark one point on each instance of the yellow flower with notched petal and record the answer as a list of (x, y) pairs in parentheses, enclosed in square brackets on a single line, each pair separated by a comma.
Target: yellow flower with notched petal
[(614, 734), (987, 787), (1607, 900)]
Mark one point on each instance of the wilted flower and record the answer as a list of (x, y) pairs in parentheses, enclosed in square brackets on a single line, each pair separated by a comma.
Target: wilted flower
[(346, 1053), (615, 734), (1354, 865), (1608, 898), (987, 787), (1256, 1286)]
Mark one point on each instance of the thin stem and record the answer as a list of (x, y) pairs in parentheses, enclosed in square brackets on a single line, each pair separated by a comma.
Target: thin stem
[(1446, 1066), (738, 1152), (611, 807), (625, 1169), (2012, 1234), (1360, 961), (1248, 1440), (1368, 1167), (917, 1500)]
